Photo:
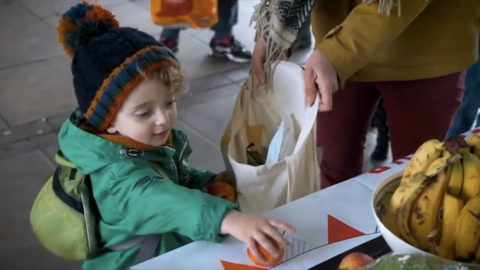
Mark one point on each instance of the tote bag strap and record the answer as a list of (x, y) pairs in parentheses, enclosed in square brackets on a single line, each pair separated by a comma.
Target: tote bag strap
[(252, 91), (241, 106)]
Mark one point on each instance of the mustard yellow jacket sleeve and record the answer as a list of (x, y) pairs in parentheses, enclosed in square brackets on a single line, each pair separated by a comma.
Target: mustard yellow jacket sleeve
[(350, 45)]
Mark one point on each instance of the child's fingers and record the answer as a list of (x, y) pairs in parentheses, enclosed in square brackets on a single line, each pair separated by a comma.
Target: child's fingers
[(267, 243), (252, 245), (282, 225), (274, 235)]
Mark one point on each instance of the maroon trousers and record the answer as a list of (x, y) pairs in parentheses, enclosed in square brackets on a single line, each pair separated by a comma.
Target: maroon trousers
[(417, 111)]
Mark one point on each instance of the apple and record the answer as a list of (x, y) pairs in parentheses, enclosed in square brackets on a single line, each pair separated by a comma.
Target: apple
[(222, 190), (355, 261)]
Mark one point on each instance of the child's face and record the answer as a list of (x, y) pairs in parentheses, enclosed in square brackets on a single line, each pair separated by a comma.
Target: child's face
[(148, 114)]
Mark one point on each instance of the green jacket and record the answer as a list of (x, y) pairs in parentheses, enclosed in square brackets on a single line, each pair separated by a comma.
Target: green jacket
[(134, 198)]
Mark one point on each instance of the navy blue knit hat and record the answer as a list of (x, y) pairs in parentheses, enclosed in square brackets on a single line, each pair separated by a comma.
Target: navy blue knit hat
[(108, 61)]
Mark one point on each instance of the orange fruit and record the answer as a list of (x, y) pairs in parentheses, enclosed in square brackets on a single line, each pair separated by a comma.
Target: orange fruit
[(269, 259), (223, 190)]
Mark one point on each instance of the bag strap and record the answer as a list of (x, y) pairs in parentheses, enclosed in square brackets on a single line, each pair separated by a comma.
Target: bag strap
[(64, 196), (251, 91), (239, 115), (159, 169), (147, 251)]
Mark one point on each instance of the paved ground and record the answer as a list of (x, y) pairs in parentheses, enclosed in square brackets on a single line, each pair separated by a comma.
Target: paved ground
[(36, 96)]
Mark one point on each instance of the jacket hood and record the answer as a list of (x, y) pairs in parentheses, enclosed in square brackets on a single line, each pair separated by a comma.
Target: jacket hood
[(86, 151)]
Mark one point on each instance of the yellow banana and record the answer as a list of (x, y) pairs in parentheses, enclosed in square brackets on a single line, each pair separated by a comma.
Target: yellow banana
[(471, 176), (425, 210), (452, 206), (410, 192), (456, 145), (441, 163), (456, 179), (474, 142), (423, 158), (442, 252), (477, 255), (434, 238), (467, 237)]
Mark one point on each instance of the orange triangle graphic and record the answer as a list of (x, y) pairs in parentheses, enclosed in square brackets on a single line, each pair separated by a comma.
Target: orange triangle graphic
[(339, 231), (237, 266)]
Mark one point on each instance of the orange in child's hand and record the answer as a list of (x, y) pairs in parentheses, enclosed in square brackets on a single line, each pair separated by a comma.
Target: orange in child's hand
[(223, 190), (269, 259)]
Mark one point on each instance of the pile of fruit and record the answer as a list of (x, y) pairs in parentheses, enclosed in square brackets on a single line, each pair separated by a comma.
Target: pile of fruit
[(436, 208), (359, 261)]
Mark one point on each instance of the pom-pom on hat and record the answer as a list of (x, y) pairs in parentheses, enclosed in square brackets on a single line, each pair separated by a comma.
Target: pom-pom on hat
[(108, 61)]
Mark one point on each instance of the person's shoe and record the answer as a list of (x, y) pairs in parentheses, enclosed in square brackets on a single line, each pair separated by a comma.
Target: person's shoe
[(171, 44), (230, 49)]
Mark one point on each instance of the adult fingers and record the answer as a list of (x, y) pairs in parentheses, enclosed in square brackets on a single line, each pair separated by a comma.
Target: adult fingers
[(258, 60), (310, 86), (326, 100), (252, 246), (259, 72)]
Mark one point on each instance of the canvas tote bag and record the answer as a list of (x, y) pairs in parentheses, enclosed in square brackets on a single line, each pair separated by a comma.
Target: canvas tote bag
[(257, 115)]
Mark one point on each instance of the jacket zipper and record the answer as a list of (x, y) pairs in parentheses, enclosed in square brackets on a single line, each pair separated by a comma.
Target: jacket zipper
[(183, 150), (180, 159)]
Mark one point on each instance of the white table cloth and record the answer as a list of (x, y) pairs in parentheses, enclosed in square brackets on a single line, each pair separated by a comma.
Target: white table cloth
[(328, 223)]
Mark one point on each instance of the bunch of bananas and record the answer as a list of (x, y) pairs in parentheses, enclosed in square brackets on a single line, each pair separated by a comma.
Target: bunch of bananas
[(436, 208)]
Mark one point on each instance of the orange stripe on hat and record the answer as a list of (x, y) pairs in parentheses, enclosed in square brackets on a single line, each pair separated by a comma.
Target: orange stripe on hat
[(119, 99)]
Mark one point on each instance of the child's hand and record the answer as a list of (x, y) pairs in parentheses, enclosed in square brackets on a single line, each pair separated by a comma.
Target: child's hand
[(251, 229)]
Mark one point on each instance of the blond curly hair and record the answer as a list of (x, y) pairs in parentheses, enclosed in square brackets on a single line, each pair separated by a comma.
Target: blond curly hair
[(172, 76)]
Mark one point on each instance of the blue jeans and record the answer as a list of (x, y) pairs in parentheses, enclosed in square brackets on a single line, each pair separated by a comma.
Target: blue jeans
[(468, 111), (227, 18)]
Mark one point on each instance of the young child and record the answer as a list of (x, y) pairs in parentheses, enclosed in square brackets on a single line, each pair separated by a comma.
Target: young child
[(121, 136)]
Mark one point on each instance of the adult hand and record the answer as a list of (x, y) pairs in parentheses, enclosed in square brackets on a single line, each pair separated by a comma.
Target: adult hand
[(259, 56), (252, 229), (321, 79)]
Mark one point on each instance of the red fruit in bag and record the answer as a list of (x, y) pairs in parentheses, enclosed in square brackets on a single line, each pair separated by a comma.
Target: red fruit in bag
[(223, 190)]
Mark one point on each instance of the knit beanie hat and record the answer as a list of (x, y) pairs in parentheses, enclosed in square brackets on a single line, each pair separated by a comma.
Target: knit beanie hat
[(108, 61)]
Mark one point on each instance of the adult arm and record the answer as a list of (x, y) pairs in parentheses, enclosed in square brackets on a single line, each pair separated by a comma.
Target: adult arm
[(351, 45)]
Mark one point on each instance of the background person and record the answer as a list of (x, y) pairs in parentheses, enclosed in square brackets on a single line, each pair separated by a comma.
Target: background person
[(414, 60), (223, 44)]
